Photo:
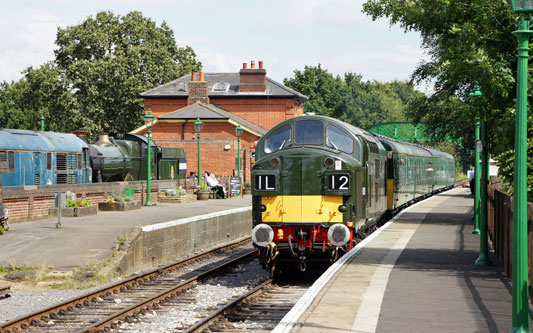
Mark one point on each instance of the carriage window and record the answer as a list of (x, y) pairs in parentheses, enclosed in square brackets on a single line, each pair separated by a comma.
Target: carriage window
[(48, 161), (338, 139), (279, 139), (309, 132), (11, 160)]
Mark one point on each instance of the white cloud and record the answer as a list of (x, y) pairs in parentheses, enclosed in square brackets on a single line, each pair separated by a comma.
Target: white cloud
[(27, 42)]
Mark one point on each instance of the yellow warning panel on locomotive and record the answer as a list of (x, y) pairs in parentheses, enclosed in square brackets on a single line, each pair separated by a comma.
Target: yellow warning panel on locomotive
[(308, 209)]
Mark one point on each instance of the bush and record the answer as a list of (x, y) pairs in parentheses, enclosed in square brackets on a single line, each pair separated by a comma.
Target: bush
[(78, 203), (203, 187)]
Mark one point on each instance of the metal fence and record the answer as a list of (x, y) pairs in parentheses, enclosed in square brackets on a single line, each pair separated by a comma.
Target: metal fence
[(500, 227)]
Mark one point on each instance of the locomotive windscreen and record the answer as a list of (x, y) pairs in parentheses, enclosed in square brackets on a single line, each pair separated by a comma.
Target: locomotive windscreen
[(309, 132)]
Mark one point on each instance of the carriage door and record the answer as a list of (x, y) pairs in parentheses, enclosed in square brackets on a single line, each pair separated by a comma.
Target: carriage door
[(37, 168)]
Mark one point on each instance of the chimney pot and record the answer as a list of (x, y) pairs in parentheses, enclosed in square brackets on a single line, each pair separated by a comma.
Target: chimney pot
[(202, 76), (260, 64), (252, 64), (244, 65), (193, 76)]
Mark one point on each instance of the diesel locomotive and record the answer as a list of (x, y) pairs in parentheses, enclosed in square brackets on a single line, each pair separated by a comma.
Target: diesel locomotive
[(318, 184), (46, 158)]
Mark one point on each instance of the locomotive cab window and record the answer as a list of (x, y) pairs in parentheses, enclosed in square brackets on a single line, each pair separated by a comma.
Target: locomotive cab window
[(279, 139), (338, 139), (309, 132)]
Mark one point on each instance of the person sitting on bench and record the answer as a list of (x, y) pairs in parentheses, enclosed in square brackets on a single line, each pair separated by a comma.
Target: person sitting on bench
[(213, 183)]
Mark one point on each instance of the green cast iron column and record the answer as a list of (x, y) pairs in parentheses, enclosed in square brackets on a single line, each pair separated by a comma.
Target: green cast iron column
[(483, 259), (239, 156), (149, 173), (42, 123), (520, 255), (477, 173), (199, 165)]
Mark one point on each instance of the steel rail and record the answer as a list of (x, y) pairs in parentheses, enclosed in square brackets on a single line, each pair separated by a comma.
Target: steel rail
[(215, 315), (145, 305), (24, 322)]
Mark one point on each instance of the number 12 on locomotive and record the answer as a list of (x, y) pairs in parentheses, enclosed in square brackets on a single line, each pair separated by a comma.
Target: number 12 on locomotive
[(338, 182)]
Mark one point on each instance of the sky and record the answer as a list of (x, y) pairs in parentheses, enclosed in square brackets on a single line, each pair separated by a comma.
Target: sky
[(285, 34)]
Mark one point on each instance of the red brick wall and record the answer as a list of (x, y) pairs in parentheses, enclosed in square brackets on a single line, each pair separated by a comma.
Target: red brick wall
[(263, 112), (214, 138)]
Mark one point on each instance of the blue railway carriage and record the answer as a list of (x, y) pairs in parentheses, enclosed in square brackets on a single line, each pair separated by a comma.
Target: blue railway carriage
[(42, 158)]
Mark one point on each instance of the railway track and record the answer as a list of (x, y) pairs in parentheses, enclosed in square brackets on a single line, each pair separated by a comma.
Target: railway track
[(258, 310), (123, 301)]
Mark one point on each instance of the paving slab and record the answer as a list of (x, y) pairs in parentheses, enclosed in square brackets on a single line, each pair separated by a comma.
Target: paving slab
[(91, 239), (416, 275)]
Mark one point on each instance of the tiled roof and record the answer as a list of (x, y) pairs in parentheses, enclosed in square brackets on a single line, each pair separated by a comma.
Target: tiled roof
[(209, 111), (178, 88)]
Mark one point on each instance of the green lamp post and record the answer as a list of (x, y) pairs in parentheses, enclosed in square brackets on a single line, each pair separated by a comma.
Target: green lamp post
[(149, 120), (477, 165), (198, 125), (238, 132), (520, 253), (42, 123)]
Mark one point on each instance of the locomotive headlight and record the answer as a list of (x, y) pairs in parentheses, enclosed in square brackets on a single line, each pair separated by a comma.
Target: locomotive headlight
[(262, 208), (338, 234), (343, 208), (328, 162), (275, 162), (263, 234)]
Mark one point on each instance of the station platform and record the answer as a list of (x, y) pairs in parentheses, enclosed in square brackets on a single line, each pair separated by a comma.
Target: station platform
[(415, 274), (91, 239)]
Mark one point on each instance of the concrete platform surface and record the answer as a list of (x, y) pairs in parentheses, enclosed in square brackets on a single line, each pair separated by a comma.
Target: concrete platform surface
[(416, 275), (90, 239)]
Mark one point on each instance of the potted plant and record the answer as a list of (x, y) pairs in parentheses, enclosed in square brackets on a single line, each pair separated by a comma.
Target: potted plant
[(119, 202), (78, 207), (176, 195), (247, 188), (203, 191)]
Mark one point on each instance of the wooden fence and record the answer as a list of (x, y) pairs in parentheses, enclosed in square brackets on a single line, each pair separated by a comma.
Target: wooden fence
[(500, 227)]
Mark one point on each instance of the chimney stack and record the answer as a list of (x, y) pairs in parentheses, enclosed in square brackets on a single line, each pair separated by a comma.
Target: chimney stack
[(253, 79), (198, 90)]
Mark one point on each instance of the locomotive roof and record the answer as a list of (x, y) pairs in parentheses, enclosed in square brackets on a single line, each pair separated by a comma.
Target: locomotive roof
[(410, 148), (16, 139)]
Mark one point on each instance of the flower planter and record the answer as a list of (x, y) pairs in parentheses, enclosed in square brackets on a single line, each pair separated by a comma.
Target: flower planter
[(119, 206), (75, 211), (202, 195), (178, 198), (247, 191)]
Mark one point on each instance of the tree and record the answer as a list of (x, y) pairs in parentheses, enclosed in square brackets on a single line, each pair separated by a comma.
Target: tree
[(41, 92), (110, 59), (469, 42), (352, 100)]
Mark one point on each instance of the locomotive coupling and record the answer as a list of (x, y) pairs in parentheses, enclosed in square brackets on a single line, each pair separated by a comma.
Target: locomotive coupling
[(262, 235), (338, 234)]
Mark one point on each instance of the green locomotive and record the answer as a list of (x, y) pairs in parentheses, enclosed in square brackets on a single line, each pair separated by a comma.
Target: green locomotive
[(318, 183)]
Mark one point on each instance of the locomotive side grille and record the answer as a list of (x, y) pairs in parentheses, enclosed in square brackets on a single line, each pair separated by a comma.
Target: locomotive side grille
[(72, 179), (3, 156), (62, 178), (36, 179), (61, 163)]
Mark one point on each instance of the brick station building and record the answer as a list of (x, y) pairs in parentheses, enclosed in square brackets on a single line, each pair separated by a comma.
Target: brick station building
[(221, 101)]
